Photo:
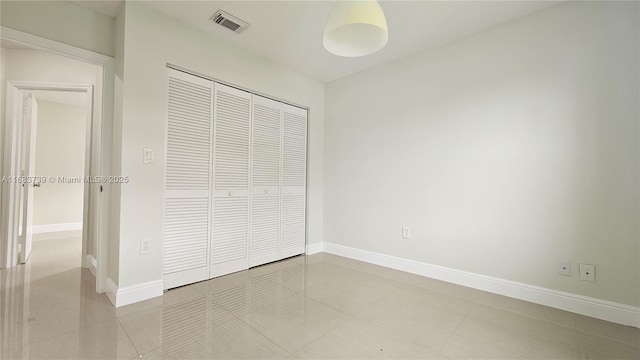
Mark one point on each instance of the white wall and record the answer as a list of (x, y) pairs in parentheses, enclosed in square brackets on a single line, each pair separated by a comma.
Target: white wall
[(61, 21), (60, 151), (2, 100), (504, 152), (3, 84), (35, 65), (113, 271), (144, 117)]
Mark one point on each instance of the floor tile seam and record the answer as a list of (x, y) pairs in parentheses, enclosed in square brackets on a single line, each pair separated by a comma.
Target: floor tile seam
[(155, 307), (196, 288), (206, 328), (512, 336), (79, 328), (322, 333), (227, 309), (241, 318), (488, 303), (314, 341), (84, 325), (182, 301), (293, 293), (264, 336), (230, 312), (444, 344), (626, 327), (5, 291), (208, 293), (135, 348), (580, 346), (331, 306), (162, 345), (399, 282), (546, 321), (30, 343), (461, 297), (513, 311), (373, 305), (498, 307), (609, 338), (390, 292), (296, 290), (367, 272), (331, 328), (515, 334), (350, 290), (394, 336)]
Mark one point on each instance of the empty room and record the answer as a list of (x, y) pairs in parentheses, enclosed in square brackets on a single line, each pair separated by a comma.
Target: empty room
[(319, 179)]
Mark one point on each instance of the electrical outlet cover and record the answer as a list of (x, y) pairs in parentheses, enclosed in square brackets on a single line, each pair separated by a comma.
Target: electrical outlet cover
[(587, 272), (564, 268), (406, 232)]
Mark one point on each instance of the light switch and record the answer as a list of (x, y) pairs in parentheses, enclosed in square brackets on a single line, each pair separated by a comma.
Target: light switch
[(147, 156)]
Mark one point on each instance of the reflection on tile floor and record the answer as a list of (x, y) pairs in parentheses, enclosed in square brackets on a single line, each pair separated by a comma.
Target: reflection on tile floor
[(313, 307)]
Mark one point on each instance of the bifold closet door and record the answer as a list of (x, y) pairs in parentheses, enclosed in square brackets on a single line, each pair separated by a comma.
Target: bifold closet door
[(294, 178), (232, 134), (266, 169), (188, 180)]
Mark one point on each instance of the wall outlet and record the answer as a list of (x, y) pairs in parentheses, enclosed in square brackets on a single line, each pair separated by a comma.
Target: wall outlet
[(406, 232), (564, 268), (587, 272), (145, 247)]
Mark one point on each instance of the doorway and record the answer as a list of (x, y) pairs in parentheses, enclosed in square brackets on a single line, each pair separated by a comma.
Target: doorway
[(41, 68), (48, 146), (56, 144)]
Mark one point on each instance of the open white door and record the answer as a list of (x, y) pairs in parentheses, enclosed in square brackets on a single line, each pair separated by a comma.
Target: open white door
[(29, 124)]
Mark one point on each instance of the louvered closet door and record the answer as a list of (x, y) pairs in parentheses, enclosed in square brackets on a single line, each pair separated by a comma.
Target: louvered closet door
[(294, 177), (232, 130), (264, 240), (188, 182)]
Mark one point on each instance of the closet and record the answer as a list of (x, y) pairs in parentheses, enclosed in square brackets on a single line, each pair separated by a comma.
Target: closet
[(235, 187)]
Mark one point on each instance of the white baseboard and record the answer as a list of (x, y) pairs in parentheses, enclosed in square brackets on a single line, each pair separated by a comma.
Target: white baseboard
[(597, 308), (49, 228), (112, 291), (133, 294), (90, 262), (314, 248)]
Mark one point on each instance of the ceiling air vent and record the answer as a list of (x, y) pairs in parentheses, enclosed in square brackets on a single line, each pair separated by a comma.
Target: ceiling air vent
[(229, 21)]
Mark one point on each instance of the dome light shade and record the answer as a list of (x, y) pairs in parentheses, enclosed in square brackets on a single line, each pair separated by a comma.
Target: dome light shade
[(355, 28)]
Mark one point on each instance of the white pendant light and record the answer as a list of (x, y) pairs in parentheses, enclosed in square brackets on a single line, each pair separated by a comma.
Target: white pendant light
[(355, 28)]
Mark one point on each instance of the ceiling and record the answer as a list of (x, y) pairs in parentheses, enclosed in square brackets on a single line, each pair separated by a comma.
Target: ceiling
[(290, 32)]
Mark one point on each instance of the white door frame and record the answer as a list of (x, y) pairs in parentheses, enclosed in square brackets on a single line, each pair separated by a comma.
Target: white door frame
[(101, 142)]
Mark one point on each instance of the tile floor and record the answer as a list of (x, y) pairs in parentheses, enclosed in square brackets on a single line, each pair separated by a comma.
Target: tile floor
[(311, 307)]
